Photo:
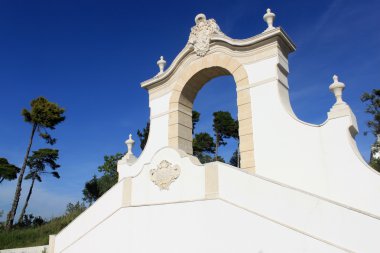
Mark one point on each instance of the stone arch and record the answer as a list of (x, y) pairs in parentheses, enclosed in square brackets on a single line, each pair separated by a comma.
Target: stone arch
[(191, 79)]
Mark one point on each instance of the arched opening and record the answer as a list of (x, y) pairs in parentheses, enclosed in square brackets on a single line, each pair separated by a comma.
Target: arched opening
[(215, 124), (191, 80)]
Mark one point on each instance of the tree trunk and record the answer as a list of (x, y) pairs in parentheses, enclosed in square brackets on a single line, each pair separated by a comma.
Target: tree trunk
[(1, 180), (26, 201), (216, 147), (12, 213)]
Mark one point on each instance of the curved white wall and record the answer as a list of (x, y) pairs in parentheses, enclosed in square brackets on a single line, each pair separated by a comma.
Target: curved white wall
[(218, 208), (320, 159)]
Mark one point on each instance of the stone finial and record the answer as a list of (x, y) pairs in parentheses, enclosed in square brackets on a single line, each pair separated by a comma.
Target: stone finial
[(130, 143), (269, 19), (337, 88), (161, 64), (200, 18), (201, 34), (129, 157)]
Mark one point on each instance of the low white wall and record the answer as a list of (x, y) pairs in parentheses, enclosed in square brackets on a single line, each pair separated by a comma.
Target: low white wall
[(243, 206), (200, 226), (95, 214), (331, 222), (37, 249)]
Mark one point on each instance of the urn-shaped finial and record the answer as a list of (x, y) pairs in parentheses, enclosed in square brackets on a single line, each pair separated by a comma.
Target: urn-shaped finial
[(161, 64), (337, 88), (269, 19), (130, 143)]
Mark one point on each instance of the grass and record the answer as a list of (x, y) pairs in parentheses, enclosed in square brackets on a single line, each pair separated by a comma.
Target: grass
[(34, 236)]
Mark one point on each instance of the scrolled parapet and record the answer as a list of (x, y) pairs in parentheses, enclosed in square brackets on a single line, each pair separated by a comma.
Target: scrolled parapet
[(341, 108)]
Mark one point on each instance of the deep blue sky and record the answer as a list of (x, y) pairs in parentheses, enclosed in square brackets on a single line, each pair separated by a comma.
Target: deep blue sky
[(90, 57)]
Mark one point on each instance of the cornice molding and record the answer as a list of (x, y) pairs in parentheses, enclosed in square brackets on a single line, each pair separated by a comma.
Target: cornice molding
[(235, 44)]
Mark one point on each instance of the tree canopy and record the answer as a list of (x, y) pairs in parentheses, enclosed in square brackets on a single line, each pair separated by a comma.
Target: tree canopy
[(7, 171), (38, 163), (372, 101), (203, 143), (224, 127), (143, 135), (195, 118), (97, 186), (43, 115), (40, 160)]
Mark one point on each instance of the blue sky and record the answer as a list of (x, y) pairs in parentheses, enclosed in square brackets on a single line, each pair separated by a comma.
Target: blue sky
[(90, 57)]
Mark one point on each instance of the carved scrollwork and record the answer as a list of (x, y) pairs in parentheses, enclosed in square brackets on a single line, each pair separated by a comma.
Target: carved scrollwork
[(165, 174), (200, 34)]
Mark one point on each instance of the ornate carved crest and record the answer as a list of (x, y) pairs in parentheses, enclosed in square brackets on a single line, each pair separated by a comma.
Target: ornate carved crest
[(201, 33), (164, 174)]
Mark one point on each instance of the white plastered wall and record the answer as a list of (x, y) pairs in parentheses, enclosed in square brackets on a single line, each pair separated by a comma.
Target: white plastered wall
[(311, 190), (216, 208), (321, 159), (158, 136)]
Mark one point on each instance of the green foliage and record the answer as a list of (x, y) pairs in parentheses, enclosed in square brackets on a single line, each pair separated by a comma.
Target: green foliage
[(76, 208), (204, 158), (235, 131), (219, 159), (235, 159), (96, 187), (143, 135), (7, 171), (372, 101), (195, 117), (375, 162), (224, 127), (203, 143), (37, 163), (91, 190), (44, 115), (29, 220), (109, 166), (37, 235), (42, 158)]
